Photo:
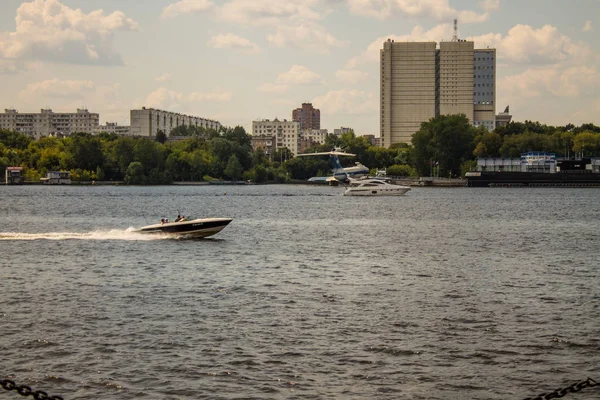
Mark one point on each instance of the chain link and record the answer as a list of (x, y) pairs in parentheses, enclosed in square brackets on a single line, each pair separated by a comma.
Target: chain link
[(27, 391), (576, 387)]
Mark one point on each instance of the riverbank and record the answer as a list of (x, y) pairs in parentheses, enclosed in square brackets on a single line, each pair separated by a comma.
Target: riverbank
[(422, 182)]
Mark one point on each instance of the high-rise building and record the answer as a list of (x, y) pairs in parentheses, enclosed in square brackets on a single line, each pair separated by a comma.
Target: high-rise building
[(308, 117), (408, 89), (48, 123), (148, 121), (420, 81), (484, 88)]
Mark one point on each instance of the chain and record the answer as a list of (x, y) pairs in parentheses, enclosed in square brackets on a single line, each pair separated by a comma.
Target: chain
[(576, 387), (27, 391)]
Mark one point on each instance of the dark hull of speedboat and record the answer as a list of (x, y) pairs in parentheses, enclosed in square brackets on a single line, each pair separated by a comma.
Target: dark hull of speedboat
[(196, 228)]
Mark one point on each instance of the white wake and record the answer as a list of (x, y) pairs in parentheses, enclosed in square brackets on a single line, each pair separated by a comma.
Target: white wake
[(113, 234)]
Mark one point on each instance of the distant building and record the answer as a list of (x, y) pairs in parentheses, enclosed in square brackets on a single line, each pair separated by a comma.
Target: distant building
[(265, 142), (312, 137), (369, 138), (113, 127), (340, 131), (148, 121), (57, 178), (287, 133), (14, 176), (308, 117), (420, 81), (48, 123), (503, 118)]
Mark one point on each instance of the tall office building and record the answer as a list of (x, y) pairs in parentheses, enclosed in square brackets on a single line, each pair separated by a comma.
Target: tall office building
[(420, 81), (408, 89), (484, 88), (47, 122), (308, 117)]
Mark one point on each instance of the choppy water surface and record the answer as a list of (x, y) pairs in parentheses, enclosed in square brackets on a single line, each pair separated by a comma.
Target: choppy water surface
[(440, 294)]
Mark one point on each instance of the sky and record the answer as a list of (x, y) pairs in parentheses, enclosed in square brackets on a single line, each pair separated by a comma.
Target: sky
[(236, 61)]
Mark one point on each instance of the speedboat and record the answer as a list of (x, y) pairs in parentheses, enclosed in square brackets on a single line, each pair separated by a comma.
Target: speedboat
[(374, 187), (198, 228)]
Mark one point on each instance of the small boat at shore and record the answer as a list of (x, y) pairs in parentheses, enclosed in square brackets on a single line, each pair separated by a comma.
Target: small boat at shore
[(198, 228)]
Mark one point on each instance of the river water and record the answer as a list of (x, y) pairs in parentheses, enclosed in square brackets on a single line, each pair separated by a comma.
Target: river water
[(440, 294)]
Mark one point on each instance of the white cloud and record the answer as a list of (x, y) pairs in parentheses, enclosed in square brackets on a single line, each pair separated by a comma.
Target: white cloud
[(439, 10), (231, 41), (186, 7), (214, 95), (299, 75), (9, 67), (307, 36), (164, 77), (555, 81), (50, 31), (295, 24), (347, 102), (272, 88), (418, 34), (489, 5), (59, 88), (166, 99), (524, 44), (268, 12), (587, 27), (351, 76)]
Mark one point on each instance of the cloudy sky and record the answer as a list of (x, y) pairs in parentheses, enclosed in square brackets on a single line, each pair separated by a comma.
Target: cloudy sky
[(241, 60)]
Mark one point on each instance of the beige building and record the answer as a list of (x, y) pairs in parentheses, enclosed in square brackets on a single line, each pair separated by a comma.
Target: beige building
[(420, 81), (265, 142), (48, 123), (456, 78), (113, 127), (408, 89), (148, 121), (287, 133)]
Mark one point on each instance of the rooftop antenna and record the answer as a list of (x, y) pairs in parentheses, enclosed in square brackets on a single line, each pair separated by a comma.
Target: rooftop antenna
[(455, 36)]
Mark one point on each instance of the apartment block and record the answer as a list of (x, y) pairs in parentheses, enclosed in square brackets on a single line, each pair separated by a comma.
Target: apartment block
[(265, 142), (113, 127), (287, 133), (308, 116), (312, 137), (148, 121), (49, 123), (341, 130), (421, 80)]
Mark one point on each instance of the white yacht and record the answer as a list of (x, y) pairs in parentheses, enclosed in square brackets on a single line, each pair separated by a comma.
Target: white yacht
[(374, 187)]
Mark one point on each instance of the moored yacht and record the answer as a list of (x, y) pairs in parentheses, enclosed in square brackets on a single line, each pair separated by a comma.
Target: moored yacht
[(374, 187), (199, 228)]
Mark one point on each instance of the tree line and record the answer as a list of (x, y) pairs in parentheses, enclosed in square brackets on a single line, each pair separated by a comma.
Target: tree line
[(450, 143)]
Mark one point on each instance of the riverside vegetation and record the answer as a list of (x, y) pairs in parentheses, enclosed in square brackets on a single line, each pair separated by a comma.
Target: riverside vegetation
[(204, 154)]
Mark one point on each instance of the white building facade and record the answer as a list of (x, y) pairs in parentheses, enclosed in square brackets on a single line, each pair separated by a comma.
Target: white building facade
[(287, 133), (148, 121), (49, 123), (113, 127)]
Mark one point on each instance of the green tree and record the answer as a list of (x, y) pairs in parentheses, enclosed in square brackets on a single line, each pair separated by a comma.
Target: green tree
[(234, 168), (586, 143), (86, 151), (161, 137), (448, 140), (135, 174)]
